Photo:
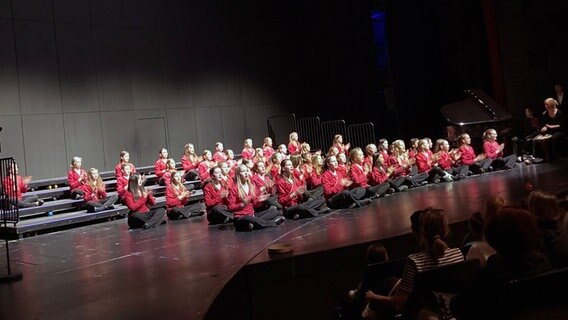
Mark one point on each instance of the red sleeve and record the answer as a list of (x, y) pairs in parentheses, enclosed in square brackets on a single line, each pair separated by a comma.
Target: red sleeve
[(203, 170), (331, 184), (172, 199), (444, 160), (491, 149), (159, 168), (377, 176), (314, 179), (292, 148), (467, 155), (117, 171), (135, 205), (285, 189), (422, 162), (121, 183), (88, 194), (73, 180), (212, 196), (358, 176), (234, 201)]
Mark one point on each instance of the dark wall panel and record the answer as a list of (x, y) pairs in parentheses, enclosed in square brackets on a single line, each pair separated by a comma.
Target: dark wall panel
[(181, 130), (119, 133), (8, 72), (77, 68), (175, 60), (234, 128), (45, 146), (209, 131), (84, 138), (75, 11), (144, 52), (108, 13), (152, 137), (12, 140), (173, 14), (37, 66), (113, 69), (33, 9), (140, 14), (256, 116), (5, 8)]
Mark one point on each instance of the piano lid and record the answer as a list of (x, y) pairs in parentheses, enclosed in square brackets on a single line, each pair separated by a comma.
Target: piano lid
[(476, 108)]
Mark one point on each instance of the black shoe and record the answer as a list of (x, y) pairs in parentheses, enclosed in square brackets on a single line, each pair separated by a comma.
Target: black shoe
[(280, 220), (163, 222), (490, 168), (146, 226), (295, 217), (227, 220), (402, 188), (390, 191), (250, 226)]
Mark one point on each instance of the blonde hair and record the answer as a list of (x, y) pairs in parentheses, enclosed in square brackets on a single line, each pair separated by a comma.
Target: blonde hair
[(240, 189), (75, 159), (95, 184)]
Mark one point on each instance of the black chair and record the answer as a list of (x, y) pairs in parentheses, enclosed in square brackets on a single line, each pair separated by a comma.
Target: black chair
[(432, 285), (543, 296), (376, 277)]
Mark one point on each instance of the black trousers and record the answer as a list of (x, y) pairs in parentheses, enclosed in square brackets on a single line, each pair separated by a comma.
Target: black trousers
[(152, 218), (190, 210), (218, 214), (260, 220)]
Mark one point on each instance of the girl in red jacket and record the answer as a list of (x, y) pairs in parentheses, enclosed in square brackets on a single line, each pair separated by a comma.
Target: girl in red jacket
[(189, 162), (267, 148), (336, 188), (359, 175), (243, 197), (447, 160), (338, 143), (139, 200), (265, 185), (177, 197), (124, 158), (76, 178), (427, 162), (248, 150), (291, 196), (122, 180), (293, 143), (494, 151), (95, 195), (215, 193), (14, 185), (160, 165), (466, 155)]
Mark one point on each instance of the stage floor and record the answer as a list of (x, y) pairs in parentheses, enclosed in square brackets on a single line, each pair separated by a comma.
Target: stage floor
[(106, 271)]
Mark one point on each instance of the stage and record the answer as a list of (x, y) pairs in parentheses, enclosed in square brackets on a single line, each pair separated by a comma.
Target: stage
[(190, 270)]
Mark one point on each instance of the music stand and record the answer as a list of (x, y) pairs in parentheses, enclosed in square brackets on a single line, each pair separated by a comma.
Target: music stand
[(9, 212)]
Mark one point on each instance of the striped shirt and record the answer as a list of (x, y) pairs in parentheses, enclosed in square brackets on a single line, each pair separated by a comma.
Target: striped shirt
[(422, 261)]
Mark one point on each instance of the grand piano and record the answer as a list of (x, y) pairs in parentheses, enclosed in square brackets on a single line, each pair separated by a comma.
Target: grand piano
[(476, 113)]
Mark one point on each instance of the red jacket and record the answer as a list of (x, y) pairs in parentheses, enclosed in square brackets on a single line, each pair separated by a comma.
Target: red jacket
[(399, 169), (358, 176), (93, 195), (424, 161), (268, 152), (275, 172), (7, 185), (160, 167), (118, 170), (187, 164), (121, 186), (314, 180), (262, 182), (491, 149), (285, 190), (203, 170), (332, 183), (247, 153), (293, 148), (172, 200), (219, 156), (445, 161), (212, 195), (467, 155), (377, 176), (235, 202), (140, 205), (73, 179)]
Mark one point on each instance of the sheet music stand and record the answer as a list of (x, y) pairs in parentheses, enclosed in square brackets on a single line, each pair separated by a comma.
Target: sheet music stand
[(9, 213)]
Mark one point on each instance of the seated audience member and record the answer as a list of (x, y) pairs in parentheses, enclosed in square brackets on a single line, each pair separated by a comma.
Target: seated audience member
[(95, 195), (13, 187), (515, 236), (481, 250), (434, 253), (551, 220)]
